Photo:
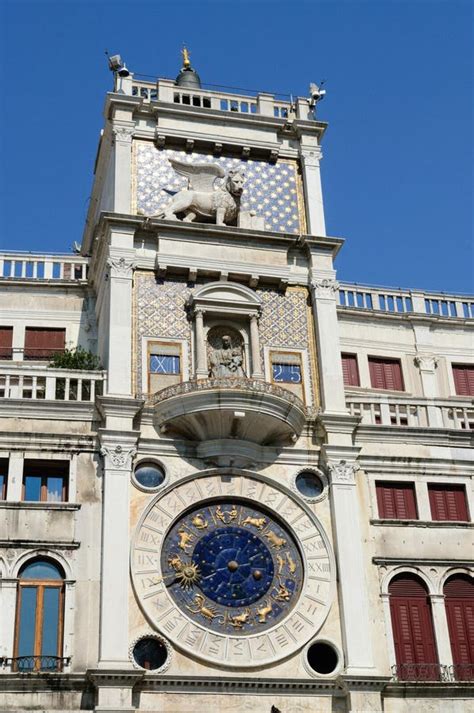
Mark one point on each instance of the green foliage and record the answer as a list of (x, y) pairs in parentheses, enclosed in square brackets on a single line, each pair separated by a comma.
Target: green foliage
[(76, 358)]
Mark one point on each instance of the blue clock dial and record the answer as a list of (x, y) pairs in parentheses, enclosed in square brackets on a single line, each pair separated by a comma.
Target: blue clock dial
[(233, 567)]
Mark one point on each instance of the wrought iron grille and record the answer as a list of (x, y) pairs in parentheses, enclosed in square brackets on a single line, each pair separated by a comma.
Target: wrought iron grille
[(28, 664), (420, 672)]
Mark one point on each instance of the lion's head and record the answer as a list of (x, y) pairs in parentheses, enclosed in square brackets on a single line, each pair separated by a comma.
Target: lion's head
[(235, 182)]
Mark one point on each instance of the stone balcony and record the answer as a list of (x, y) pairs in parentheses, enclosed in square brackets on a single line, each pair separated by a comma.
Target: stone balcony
[(243, 409), (43, 383)]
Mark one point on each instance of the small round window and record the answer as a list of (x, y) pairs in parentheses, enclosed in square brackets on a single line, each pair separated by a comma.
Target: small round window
[(322, 658), (149, 475), (309, 484), (150, 654)]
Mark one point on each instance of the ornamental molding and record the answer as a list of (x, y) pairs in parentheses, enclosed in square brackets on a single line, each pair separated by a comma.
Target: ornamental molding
[(124, 134), (324, 287), (342, 472), (148, 634), (120, 267), (311, 158), (426, 362), (118, 457)]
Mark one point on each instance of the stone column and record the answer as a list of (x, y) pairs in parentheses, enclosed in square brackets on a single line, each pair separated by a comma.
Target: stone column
[(123, 135), (15, 477), (201, 357), (255, 348), (440, 624), (120, 265), (310, 158), (357, 630), (427, 364), (118, 449), (323, 292)]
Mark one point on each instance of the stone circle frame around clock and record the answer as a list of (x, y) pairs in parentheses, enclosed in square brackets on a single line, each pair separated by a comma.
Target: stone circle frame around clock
[(193, 637)]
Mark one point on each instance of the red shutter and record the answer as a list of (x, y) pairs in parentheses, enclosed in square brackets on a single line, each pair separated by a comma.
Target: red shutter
[(412, 627), (42, 343), (350, 370), (396, 501), (448, 502), (6, 341), (459, 600), (385, 374), (464, 379)]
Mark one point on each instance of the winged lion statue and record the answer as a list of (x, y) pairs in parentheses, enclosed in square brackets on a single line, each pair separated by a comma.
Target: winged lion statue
[(201, 201)]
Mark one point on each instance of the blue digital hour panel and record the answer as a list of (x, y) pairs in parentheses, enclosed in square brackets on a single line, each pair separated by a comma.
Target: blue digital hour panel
[(164, 364), (287, 373), (232, 567)]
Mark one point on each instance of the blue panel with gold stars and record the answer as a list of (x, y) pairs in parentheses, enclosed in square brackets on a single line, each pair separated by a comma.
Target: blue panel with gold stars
[(232, 567), (270, 190)]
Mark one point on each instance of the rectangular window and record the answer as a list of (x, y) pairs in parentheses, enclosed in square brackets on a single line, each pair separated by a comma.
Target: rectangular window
[(396, 501), (6, 341), (464, 379), (3, 478), (350, 370), (448, 502), (286, 373), (386, 373), (164, 364), (45, 481), (43, 342)]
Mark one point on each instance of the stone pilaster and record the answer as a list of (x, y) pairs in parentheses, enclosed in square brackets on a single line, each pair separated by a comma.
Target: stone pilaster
[(120, 264), (310, 158), (257, 372), (351, 565), (123, 135)]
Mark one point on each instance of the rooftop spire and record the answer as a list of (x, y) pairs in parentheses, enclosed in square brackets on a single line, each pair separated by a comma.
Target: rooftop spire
[(188, 77)]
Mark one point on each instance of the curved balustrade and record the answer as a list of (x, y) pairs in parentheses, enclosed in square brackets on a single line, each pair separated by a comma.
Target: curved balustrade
[(255, 385)]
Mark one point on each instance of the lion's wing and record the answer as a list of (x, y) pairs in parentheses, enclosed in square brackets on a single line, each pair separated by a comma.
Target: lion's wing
[(201, 176)]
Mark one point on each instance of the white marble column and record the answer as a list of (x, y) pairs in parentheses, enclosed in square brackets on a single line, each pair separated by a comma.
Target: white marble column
[(440, 625), (257, 372), (427, 364), (357, 629), (201, 356), (120, 265), (313, 194), (118, 450), (324, 292)]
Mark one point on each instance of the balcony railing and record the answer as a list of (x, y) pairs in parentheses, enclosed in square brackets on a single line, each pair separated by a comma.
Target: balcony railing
[(188, 387), (30, 266), (421, 672), (31, 664), (414, 412), (43, 383), (398, 301)]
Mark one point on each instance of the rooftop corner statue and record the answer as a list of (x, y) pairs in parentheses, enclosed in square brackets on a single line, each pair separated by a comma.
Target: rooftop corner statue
[(200, 201)]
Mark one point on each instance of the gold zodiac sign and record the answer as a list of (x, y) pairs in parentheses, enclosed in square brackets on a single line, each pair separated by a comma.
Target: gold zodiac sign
[(226, 516), (276, 541), (283, 593), (185, 538), (258, 522), (291, 563), (264, 612), (239, 620), (186, 574), (281, 564), (199, 521), (206, 612)]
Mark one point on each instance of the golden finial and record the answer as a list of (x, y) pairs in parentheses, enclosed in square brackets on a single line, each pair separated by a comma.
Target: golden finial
[(186, 60)]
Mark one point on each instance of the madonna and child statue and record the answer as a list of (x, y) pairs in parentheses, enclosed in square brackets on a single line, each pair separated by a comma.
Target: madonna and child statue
[(225, 358)]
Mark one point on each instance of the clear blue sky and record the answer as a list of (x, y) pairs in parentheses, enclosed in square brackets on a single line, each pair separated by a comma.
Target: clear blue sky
[(397, 168)]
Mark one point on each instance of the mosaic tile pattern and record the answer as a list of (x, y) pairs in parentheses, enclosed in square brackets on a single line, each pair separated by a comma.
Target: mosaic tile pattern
[(270, 190), (161, 313)]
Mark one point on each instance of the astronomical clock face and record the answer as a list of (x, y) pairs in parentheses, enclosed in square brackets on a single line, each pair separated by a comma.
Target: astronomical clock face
[(242, 578)]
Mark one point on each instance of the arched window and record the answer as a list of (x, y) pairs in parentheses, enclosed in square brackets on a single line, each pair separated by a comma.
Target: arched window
[(459, 601), (39, 617), (412, 627)]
